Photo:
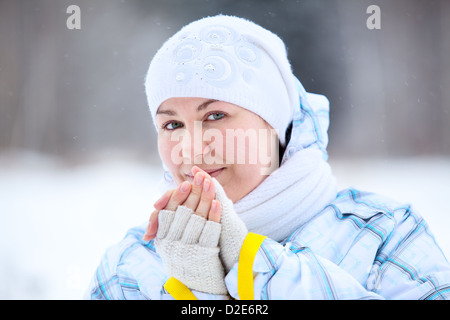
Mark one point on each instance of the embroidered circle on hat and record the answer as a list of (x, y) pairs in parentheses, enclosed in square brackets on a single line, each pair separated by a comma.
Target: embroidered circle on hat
[(187, 50), (218, 35), (218, 70), (248, 53)]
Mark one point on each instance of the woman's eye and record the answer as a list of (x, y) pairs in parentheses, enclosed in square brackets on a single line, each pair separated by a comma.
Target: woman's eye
[(215, 116), (173, 125)]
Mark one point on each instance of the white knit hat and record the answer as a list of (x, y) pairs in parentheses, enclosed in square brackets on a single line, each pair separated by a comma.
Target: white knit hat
[(228, 59)]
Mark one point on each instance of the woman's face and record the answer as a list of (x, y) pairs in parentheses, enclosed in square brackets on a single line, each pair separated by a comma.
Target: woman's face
[(232, 144)]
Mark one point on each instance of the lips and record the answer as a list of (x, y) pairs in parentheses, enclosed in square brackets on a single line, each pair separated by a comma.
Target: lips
[(212, 172), (215, 173)]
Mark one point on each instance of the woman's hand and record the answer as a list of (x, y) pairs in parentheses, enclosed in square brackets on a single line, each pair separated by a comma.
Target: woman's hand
[(198, 196), (213, 204), (188, 233)]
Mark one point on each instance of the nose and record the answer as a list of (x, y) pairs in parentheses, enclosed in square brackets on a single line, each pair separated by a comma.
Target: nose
[(193, 147)]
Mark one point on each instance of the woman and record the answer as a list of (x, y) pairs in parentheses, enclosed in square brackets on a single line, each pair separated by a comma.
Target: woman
[(244, 151)]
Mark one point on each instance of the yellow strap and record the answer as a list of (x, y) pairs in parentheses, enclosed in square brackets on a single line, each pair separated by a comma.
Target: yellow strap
[(245, 267), (178, 290)]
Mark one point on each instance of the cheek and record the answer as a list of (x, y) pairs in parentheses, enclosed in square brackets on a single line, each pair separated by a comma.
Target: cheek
[(241, 180), (165, 148), (247, 146)]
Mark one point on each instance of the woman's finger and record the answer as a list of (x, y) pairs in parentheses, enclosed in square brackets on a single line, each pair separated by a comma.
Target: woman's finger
[(161, 203), (193, 199), (152, 227), (206, 198), (215, 212), (196, 169), (179, 196)]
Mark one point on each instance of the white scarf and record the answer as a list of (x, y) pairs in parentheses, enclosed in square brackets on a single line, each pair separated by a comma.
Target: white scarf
[(288, 198)]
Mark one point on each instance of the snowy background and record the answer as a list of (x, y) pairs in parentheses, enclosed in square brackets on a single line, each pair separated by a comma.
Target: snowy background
[(57, 221)]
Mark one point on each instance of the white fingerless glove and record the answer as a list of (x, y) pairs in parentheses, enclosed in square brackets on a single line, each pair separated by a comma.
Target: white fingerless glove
[(233, 232), (188, 246)]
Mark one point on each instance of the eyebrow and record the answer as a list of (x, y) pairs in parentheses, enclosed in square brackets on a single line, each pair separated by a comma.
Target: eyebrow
[(201, 107)]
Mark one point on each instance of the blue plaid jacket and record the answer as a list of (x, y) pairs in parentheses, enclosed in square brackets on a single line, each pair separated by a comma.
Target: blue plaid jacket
[(361, 246)]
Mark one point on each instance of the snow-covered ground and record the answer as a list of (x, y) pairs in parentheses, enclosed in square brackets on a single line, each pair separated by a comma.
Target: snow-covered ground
[(56, 221)]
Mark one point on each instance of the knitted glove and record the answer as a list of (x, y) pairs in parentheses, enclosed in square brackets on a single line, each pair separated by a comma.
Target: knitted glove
[(188, 246), (233, 232)]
